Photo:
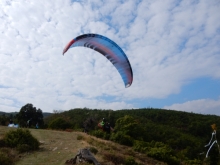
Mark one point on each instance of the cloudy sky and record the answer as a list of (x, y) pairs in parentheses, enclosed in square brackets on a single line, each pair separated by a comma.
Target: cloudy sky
[(173, 47)]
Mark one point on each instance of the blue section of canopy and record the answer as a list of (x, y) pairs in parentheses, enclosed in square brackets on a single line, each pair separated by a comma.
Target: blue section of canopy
[(107, 48)]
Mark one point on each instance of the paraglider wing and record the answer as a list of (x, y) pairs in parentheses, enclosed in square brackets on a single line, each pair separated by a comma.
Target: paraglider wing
[(109, 49)]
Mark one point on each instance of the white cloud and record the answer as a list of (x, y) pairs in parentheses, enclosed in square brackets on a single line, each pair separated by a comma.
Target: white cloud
[(202, 106), (168, 45)]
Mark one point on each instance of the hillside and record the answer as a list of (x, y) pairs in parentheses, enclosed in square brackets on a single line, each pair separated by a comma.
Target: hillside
[(171, 136), (58, 146)]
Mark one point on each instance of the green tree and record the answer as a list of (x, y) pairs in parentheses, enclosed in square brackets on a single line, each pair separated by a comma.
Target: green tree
[(130, 126), (29, 112), (59, 123), (214, 155), (3, 119)]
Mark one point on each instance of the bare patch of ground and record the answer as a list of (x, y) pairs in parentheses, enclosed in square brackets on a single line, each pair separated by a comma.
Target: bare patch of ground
[(58, 146)]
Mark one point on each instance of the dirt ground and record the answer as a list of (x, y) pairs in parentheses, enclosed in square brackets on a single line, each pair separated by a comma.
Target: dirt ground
[(56, 147)]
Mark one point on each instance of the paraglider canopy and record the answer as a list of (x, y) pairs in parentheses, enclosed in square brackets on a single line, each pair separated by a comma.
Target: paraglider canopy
[(109, 49)]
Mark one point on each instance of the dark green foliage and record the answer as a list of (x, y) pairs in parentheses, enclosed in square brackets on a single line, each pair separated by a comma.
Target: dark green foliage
[(80, 117), (157, 150), (214, 155), (163, 153), (4, 120), (130, 161), (127, 130), (141, 146), (29, 112), (122, 138), (22, 140), (129, 126), (59, 123), (184, 134), (23, 148), (100, 134)]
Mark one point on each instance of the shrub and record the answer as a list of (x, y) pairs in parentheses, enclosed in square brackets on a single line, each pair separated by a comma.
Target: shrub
[(23, 147), (164, 153), (130, 161), (121, 138), (98, 133), (79, 137), (141, 146), (59, 123), (21, 139), (101, 134)]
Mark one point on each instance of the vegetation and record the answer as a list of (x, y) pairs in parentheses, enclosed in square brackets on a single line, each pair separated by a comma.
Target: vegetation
[(32, 114), (59, 123), (171, 136), (14, 142), (21, 139), (6, 117), (58, 146)]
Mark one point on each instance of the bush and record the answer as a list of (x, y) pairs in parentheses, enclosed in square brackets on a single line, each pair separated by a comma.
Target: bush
[(141, 146), (98, 133), (130, 161), (121, 138), (22, 140), (163, 153), (130, 126), (101, 134), (59, 123), (23, 147)]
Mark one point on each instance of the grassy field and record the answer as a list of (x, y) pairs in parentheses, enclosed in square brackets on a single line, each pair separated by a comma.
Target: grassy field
[(58, 146)]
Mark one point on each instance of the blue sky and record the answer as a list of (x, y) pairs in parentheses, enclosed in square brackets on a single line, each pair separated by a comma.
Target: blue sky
[(173, 48)]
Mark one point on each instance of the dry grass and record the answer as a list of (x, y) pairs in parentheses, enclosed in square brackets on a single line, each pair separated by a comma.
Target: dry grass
[(58, 146)]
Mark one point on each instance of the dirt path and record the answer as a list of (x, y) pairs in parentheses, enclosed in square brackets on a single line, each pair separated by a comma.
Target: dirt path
[(56, 147)]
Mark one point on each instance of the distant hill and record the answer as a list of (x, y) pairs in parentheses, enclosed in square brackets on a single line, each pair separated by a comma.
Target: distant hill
[(8, 113), (45, 114)]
